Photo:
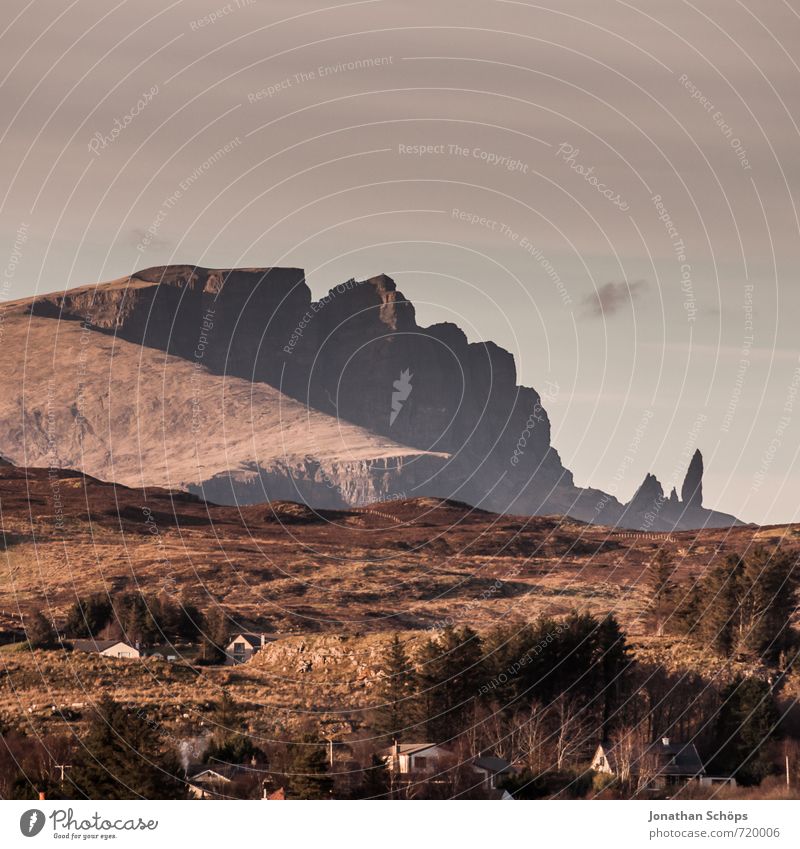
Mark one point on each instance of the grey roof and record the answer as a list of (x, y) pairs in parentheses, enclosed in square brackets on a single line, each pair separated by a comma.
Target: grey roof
[(492, 764), (676, 758)]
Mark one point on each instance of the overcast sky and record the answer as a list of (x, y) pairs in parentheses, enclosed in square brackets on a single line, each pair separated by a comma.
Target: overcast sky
[(606, 189)]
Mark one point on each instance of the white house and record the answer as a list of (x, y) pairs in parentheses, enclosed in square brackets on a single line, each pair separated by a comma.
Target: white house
[(109, 648), (417, 758), (243, 646), (663, 763)]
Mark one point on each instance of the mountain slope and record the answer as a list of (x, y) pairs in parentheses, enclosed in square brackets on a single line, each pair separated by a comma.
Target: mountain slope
[(122, 412), (391, 407)]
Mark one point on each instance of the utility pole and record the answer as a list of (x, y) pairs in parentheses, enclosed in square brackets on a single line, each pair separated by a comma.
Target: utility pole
[(787, 770), (62, 767)]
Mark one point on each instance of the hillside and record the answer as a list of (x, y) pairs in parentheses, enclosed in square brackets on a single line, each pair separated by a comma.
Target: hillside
[(235, 384)]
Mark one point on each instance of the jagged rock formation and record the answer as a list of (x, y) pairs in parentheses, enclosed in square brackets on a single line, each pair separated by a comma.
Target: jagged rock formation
[(650, 510), (692, 489), (428, 412)]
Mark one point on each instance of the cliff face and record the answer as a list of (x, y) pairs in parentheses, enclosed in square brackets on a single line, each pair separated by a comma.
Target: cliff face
[(357, 357)]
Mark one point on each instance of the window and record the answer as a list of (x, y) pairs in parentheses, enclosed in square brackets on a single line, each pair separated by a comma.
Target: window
[(420, 763)]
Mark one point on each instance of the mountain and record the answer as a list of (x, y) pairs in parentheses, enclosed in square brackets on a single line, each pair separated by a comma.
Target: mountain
[(237, 385)]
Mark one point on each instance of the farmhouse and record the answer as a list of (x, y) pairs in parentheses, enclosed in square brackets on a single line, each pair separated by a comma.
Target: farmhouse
[(414, 758), (665, 763), (108, 648), (242, 647)]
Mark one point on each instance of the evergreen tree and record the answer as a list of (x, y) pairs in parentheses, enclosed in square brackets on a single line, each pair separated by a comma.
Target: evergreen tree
[(745, 724), (450, 676), (393, 716), (663, 591), (308, 769), (230, 742), (40, 632), (613, 665), (376, 782), (215, 635), (718, 616), (122, 758), (88, 616), (768, 603)]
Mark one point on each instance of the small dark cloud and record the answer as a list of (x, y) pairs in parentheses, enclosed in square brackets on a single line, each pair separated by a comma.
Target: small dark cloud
[(148, 239), (611, 297)]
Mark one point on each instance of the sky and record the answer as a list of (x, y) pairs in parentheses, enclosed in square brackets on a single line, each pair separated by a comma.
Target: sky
[(608, 190)]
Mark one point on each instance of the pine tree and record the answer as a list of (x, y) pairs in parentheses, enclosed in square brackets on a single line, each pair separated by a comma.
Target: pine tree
[(88, 616), (769, 600), (663, 590), (215, 635), (718, 620), (40, 632), (121, 758), (745, 724), (393, 716), (450, 676), (308, 769)]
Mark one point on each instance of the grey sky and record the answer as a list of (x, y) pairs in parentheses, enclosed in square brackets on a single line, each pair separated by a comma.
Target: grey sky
[(551, 127)]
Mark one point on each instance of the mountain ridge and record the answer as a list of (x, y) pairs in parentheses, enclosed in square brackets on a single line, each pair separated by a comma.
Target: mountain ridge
[(480, 436)]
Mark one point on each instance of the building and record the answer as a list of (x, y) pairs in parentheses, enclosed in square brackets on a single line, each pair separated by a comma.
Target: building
[(491, 770), (664, 763), (419, 759), (108, 648), (242, 647)]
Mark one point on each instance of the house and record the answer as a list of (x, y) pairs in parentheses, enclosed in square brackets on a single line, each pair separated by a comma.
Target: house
[(242, 647), (108, 648), (212, 783), (661, 764), (219, 780), (414, 758), (491, 770)]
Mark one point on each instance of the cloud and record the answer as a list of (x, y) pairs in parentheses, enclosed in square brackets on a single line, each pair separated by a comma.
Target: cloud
[(611, 297)]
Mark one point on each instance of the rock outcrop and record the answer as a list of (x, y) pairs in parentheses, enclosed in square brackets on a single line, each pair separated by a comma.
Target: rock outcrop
[(692, 489), (650, 510), (430, 412)]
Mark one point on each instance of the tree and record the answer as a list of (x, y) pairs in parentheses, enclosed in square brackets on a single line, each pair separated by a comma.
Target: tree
[(88, 616), (744, 604), (215, 635), (717, 624), (122, 758), (450, 675), (663, 590), (40, 632), (230, 744), (745, 724), (308, 769), (768, 601), (394, 714)]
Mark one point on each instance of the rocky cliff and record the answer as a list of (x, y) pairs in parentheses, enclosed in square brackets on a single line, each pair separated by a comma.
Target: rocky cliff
[(357, 357)]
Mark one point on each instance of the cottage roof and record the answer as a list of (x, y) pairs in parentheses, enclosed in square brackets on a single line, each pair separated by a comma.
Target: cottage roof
[(490, 763), (409, 748), (98, 645), (671, 758)]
